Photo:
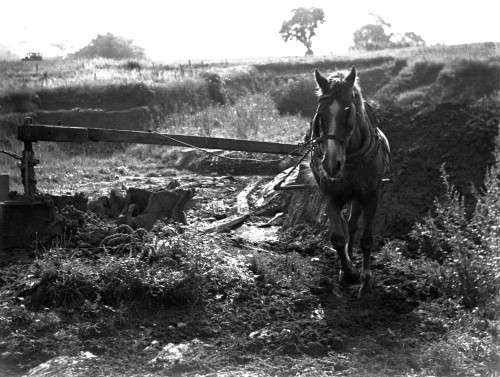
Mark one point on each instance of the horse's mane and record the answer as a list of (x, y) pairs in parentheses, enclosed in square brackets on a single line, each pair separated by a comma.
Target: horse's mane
[(339, 88)]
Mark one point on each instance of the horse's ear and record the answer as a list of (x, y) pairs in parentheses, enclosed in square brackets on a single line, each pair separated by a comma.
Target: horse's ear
[(321, 80), (351, 77)]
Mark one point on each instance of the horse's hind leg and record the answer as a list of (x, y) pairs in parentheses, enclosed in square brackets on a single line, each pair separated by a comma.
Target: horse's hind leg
[(339, 237), (369, 211), (356, 211)]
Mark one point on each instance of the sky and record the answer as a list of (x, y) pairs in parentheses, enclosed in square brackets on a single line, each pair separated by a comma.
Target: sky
[(222, 29)]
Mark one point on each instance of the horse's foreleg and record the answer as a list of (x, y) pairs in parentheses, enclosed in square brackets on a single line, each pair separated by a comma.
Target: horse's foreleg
[(369, 211), (339, 237), (356, 210)]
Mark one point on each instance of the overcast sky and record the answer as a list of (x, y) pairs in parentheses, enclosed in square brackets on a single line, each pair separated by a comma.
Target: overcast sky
[(219, 29)]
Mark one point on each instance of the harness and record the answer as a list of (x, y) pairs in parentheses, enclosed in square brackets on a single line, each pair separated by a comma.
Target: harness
[(368, 150)]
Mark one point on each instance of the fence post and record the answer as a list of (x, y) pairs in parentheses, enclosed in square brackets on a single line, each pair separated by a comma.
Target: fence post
[(28, 163)]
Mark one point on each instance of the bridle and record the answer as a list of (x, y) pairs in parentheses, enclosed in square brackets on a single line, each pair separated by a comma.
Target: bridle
[(316, 138), (366, 151)]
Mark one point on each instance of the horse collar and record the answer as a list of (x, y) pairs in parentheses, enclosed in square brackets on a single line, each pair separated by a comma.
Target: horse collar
[(366, 152)]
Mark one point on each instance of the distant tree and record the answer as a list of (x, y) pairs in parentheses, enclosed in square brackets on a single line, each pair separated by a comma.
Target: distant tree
[(6, 54), (377, 36), (409, 39), (302, 26), (373, 36), (112, 47)]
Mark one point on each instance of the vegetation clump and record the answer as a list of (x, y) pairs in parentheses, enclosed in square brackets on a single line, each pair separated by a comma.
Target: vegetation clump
[(377, 36), (296, 97), (110, 46), (465, 248)]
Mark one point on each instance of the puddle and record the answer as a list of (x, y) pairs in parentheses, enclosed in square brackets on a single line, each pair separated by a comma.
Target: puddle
[(255, 234)]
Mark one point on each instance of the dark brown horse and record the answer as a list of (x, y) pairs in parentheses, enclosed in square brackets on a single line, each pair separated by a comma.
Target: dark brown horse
[(349, 159)]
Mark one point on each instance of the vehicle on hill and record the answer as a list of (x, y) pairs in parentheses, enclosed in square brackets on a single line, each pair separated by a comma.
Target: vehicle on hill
[(32, 56)]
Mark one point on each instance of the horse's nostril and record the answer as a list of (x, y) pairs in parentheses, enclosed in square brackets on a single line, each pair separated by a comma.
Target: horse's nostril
[(339, 165)]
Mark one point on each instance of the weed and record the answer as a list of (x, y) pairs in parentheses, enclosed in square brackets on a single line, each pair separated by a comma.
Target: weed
[(296, 97), (132, 64), (466, 248), (215, 87), (183, 270)]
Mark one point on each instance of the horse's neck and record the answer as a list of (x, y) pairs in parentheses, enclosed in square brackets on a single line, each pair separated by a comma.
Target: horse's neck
[(360, 135)]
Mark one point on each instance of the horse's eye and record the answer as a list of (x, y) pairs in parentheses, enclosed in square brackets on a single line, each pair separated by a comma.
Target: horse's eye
[(346, 108)]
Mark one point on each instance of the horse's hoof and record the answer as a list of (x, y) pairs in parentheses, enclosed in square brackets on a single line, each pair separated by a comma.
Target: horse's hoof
[(366, 287), (364, 291), (351, 277)]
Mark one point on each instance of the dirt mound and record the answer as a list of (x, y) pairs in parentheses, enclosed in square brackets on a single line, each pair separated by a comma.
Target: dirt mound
[(465, 80), (375, 78), (430, 82), (20, 102), (110, 97), (411, 84), (135, 119), (458, 135)]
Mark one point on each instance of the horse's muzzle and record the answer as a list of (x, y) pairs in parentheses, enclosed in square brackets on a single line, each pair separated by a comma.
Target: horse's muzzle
[(334, 162), (332, 170)]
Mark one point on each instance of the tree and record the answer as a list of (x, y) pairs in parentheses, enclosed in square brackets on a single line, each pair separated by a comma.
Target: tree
[(377, 36), (302, 26), (410, 39), (112, 47), (373, 36)]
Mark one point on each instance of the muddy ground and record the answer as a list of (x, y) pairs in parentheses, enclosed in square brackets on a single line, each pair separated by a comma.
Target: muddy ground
[(298, 321)]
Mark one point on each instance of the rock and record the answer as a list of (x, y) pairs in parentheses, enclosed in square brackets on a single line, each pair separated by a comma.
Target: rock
[(291, 349), (115, 203), (99, 206), (136, 196), (60, 366), (172, 352), (109, 207), (143, 208), (79, 201), (316, 349), (300, 305), (339, 367)]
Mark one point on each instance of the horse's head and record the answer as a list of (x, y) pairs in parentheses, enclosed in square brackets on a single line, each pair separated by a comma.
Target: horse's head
[(334, 125)]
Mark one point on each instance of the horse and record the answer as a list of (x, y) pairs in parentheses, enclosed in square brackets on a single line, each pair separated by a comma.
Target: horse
[(349, 158)]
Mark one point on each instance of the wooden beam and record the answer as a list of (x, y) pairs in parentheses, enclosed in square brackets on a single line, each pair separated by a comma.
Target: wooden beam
[(227, 224), (78, 134), (52, 133)]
